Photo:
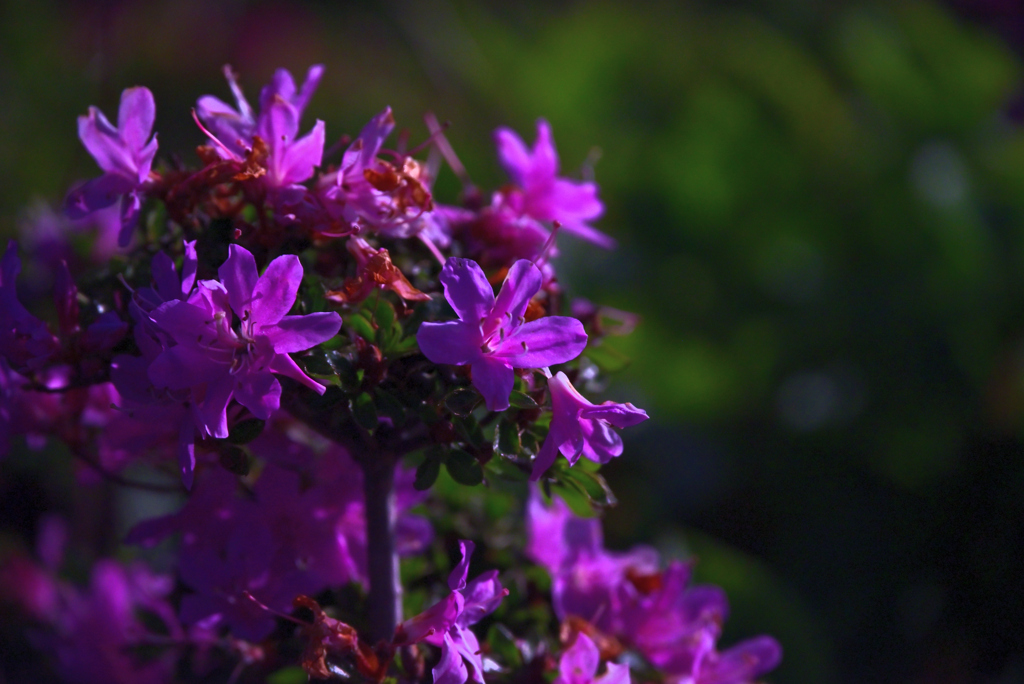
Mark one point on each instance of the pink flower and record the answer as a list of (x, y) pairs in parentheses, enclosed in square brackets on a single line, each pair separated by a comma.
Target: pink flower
[(124, 155), (578, 665), (579, 427), (491, 334), (544, 195)]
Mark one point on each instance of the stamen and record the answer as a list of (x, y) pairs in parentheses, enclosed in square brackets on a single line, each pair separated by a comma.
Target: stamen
[(212, 137), (550, 241)]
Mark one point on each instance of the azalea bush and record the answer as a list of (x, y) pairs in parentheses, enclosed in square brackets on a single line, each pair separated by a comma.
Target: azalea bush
[(369, 402)]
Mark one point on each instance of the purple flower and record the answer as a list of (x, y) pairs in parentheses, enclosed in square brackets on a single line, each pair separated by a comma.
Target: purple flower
[(124, 155), (231, 337), (578, 665), (580, 427), (675, 625), (543, 194), (491, 334), (24, 339), (233, 127), (300, 530), (446, 624), (587, 580), (392, 199), (290, 159)]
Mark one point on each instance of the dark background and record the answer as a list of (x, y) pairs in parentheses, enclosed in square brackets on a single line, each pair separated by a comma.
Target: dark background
[(821, 214)]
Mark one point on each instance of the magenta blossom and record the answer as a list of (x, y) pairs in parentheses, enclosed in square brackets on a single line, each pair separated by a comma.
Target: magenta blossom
[(125, 156), (231, 337), (492, 335), (578, 665), (580, 427), (542, 194), (446, 624), (674, 624), (290, 159), (24, 339)]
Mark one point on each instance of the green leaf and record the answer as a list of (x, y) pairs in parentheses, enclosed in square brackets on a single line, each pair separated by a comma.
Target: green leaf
[(469, 429), (607, 359), (578, 502), (463, 468), (288, 675), (504, 646), (426, 474), (361, 326), (317, 363), (521, 400), (461, 402), (506, 470), (390, 406), (246, 431), (594, 486), (506, 438), (364, 411), (384, 314), (344, 368)]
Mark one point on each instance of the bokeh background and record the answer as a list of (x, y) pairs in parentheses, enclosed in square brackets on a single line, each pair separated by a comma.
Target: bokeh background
[(820, 207)]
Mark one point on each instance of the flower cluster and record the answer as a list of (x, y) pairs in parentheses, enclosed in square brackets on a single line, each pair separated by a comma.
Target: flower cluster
[(317, 355)]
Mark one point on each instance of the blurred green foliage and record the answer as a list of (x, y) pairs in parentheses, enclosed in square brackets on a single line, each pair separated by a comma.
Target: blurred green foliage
[(821, 216)]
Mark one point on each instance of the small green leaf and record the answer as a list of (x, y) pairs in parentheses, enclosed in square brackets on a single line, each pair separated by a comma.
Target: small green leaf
[(463, 468), (362, 327), (504, 646), (317, 363), (344, 368), (506, 470), (390, 406), (461, 402), (246, 431), (607, 359), (590, 484), (469, 429), (529, 442), (364, 411), (384, 314), (578, 502), (506, 438), (426, 474), (288, 675), (521, 400)]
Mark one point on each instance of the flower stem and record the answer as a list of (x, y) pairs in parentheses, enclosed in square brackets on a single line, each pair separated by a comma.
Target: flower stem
[(385, 599)]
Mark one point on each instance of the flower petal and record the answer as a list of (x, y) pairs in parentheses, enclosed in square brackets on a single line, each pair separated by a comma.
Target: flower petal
[(494, 379), (260, 393), (452, 342), (521, 284), (212, 410), (451, 669), (302, 157), (239, 276), (275, 290), (96, 194), (282, 364), (135, 117), (466, 289), (184, 367), (544, 342), (299, 333), (457, 578), (578, 663)]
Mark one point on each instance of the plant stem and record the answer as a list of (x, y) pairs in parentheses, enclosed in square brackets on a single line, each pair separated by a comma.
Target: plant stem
[(385, 599)]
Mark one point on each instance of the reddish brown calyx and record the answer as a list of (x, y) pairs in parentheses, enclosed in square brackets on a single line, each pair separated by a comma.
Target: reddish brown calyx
[(329, 638), (375, 270), (574, 625)]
